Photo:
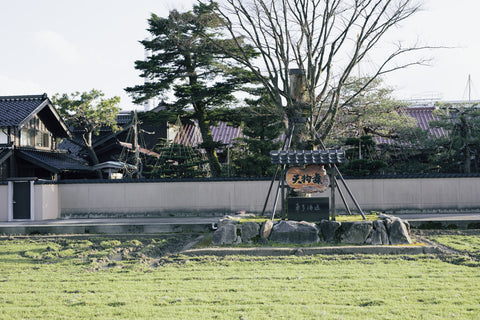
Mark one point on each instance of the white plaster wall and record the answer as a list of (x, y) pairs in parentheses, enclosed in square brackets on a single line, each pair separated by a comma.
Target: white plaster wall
[(47, 202), (3, 202), (218, 196), (383, 194), (180, 198), (232, 196), (420, 194)]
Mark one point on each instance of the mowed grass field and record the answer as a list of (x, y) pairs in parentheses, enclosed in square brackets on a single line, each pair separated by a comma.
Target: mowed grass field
[(100, 277)]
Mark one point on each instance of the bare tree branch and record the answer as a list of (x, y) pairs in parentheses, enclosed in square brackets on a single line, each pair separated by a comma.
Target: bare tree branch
[(326, 40)]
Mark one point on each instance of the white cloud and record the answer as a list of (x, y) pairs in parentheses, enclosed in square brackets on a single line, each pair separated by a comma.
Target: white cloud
[(10, 86), (58, 46)]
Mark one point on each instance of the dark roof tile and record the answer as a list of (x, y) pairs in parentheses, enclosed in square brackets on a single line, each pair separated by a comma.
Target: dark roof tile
[(14, 109), (53, 161), (307, 157)]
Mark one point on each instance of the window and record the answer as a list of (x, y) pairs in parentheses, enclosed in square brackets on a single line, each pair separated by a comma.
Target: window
[(23, 137), (31, 137), (35, 134), (3, 136)]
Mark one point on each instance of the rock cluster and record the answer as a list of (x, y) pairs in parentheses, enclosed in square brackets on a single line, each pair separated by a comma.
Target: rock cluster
[(390, 230)]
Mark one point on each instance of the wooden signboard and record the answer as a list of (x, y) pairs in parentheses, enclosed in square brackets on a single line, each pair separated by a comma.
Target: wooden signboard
[(310, 179)]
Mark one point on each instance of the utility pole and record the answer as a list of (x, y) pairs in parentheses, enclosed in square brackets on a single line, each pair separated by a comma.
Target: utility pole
[(136, 147)]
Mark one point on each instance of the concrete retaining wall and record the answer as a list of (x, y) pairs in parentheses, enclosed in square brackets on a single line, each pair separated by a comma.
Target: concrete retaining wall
[(188, 198)]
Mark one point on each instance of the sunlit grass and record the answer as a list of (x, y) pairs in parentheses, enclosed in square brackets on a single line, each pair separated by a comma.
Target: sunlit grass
[(466, 243), (340, 218), (120, 278)]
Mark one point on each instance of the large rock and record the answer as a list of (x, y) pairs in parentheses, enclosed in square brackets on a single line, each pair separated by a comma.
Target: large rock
[(329, 229), (379, 234), (249, 230), (226, 220), (295, 232), (397, 231), (226, 234), (266, 229), (355, 232)]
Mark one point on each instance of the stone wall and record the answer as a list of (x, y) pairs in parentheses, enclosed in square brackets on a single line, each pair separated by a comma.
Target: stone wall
[(387, 231)]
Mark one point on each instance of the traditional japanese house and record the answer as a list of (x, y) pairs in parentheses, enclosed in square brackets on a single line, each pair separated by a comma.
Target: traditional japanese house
[(30, 131)]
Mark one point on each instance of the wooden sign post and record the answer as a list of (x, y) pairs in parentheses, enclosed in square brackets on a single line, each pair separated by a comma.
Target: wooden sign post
[(307, 175)]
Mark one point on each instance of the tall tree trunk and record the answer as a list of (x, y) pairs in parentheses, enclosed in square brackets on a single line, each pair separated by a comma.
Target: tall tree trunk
[(208, 143), (202, 118), (87, 139)]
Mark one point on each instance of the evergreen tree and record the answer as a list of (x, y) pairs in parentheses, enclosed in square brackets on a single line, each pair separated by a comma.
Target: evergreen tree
[(263, 124), (176, 161), (459, 151), (408, 153), (185, 60), (357, 164)]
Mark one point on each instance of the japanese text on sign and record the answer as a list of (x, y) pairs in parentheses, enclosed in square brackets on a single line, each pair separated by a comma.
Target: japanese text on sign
[(311, 179)]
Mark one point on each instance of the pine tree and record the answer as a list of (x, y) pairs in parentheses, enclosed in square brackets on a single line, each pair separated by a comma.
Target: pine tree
[(460, 150), (185, 60), (263, 125), (177, 161)]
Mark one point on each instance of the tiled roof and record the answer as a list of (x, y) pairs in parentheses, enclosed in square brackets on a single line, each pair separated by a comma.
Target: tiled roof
[(424, 115), (53, 161), (72, 146), (14, 109), (124, 118), (190, 135), (308, 157)]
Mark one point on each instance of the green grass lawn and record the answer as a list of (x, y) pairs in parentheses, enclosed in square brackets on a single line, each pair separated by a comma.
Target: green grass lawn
[(125, 278), (461, 242)]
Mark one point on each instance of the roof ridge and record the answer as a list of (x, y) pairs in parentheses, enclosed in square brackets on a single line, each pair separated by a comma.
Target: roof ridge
[(34, 149), (416, 108), (24, 97)]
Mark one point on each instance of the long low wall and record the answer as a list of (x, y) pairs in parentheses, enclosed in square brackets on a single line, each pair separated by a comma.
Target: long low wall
[(421, 194), (226, 197), (163, 198)]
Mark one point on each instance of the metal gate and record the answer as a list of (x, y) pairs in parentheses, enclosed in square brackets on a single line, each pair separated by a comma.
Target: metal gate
[(21, 200)]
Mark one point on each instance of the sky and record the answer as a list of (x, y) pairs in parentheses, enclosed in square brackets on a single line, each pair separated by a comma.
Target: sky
[(65, 46)]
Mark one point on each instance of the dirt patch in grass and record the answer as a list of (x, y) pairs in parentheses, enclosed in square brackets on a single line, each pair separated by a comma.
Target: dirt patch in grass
[(103, 251), (123, 251), (461, 247)]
